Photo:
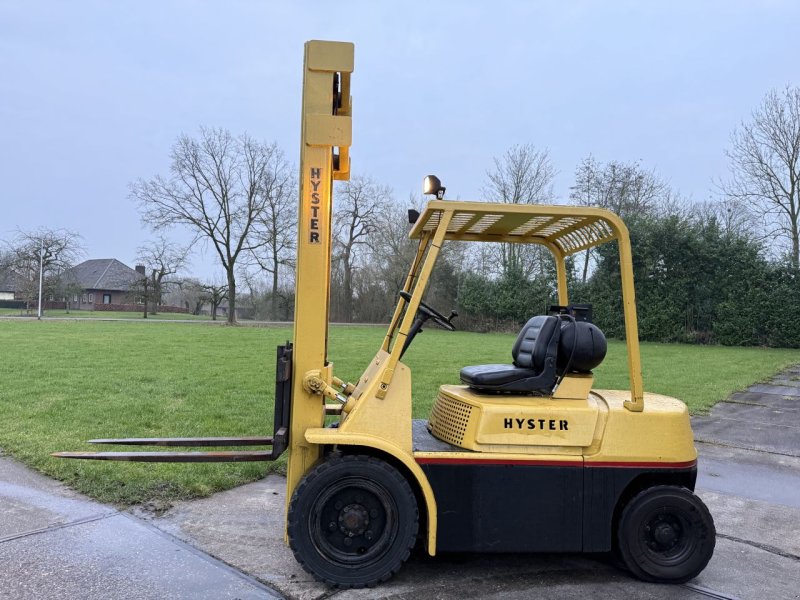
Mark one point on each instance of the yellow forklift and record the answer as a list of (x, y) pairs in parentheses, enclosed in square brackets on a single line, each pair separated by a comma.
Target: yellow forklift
[(522, 457)]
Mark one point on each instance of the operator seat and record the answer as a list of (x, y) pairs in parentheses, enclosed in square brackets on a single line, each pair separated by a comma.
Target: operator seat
[(546, 348), (533, 371)]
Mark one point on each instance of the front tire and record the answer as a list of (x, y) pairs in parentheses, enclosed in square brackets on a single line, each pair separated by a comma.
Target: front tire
[(352, 521), (666, 535)]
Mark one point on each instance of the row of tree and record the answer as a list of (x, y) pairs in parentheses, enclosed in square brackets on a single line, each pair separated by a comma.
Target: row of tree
[(239, 195), (704, 272), (723, 271)]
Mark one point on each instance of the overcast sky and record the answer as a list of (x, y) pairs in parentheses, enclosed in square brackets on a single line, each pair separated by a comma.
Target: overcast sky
[(93, 94)]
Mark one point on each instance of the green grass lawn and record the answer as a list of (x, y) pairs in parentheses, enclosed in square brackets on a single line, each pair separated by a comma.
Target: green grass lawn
[(63, 382)]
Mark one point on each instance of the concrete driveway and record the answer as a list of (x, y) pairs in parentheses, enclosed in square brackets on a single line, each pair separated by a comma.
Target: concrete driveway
[(55, 544)]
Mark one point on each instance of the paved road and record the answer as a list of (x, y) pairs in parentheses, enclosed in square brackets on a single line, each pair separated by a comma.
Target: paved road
[(56, 544)]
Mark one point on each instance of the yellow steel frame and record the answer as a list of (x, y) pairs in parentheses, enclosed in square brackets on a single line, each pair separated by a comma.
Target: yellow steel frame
[(564, 230), (325, 128)]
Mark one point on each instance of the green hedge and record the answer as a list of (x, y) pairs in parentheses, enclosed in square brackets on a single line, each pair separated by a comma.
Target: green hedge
[(694, 283)]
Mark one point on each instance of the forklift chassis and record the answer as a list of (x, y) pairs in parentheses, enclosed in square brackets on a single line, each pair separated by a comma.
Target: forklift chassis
[(526, 457)]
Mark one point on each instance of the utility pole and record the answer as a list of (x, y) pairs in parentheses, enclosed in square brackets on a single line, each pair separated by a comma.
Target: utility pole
[(41, 278)]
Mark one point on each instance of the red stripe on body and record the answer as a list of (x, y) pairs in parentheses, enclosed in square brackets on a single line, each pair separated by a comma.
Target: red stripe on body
[(555, 463)]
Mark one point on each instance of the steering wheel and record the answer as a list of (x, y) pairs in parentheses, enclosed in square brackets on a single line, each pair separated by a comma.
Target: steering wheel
[(433, 314)]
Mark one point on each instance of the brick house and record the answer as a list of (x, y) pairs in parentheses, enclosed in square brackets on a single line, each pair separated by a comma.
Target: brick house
[(100, 281)]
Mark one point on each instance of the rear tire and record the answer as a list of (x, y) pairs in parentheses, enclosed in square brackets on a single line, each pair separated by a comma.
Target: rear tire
[(352, 521), (666, 535)]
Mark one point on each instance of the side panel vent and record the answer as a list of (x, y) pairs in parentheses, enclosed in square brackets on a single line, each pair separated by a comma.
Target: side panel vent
[(449, 419)]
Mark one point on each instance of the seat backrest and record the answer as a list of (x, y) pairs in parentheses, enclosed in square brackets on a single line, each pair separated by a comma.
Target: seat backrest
[(533, 342)]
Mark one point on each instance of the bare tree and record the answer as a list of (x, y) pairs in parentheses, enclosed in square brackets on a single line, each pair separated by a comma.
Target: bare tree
[(391, 250), (765, 166), (624, 188), (523, 175), (163, 258), (733, 217), (384, 263), (142, 291), (359, 204), (187, 292), (55, 249), (218, 187), (277, 231), (215, 294)]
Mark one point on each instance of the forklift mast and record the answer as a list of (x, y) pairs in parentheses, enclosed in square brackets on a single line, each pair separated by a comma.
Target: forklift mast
[(326, 136)]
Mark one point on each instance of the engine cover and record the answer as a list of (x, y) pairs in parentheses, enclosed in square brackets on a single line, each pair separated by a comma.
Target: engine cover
[(519, 424)]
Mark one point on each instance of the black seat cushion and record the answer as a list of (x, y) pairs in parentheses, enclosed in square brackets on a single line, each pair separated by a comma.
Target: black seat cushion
[(494, 375), (534, 369)]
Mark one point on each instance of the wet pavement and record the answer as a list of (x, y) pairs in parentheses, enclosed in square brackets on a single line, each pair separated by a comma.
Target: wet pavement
[(56, 544)]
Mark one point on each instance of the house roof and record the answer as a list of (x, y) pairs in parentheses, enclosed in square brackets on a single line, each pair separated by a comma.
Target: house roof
[(103, 274)]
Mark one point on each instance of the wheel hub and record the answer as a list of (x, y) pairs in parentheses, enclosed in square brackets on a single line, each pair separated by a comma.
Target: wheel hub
[(665, 534), (353, 520)]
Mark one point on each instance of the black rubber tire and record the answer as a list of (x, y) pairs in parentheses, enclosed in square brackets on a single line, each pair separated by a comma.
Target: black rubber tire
[(355, 497), (666, 535)]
